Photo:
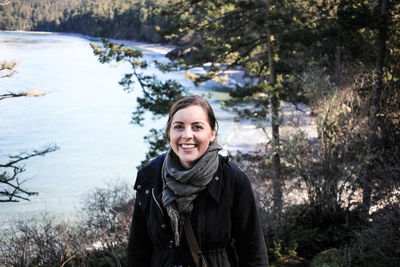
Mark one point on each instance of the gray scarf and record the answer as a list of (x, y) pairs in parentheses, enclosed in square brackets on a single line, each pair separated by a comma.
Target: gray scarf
[(181, 186)]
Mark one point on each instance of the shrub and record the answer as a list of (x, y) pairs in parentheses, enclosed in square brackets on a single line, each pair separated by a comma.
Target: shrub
[(42, 241), (378, 244), (329, 258), (98, 238), (331, 172)]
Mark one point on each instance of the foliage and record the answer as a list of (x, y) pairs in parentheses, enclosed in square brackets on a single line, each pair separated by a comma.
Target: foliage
[(105, 221), (106, 18), (157, 96), (108, 210), (375, 245), (97, 238), (157, 144), (333, 172), (276, 44), (303, 229), (248, 34), (328, 171), (38, 242), (331, 257)]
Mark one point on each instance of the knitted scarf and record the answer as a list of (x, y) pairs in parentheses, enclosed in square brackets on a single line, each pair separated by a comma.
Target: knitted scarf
[(181, 186)]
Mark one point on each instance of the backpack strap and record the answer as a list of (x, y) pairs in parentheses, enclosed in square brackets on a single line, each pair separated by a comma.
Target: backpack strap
[(197, 254)]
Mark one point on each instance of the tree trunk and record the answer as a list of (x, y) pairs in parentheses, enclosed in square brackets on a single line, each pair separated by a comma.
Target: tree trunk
[(276, 163), (381, 49), (376, 98)]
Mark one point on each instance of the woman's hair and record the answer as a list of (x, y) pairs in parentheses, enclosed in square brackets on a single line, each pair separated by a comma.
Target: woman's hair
[(192, 101)]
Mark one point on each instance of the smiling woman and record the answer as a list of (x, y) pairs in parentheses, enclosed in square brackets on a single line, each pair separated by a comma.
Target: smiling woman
[(190, 131), (193, 206)]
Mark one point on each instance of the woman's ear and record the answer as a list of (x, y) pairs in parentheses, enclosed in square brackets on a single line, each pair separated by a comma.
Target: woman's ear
[(213, 133)]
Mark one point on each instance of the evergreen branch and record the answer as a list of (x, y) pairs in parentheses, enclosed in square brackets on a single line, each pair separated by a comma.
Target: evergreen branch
[(24, 156)]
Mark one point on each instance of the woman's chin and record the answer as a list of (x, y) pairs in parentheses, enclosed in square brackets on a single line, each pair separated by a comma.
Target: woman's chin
[(188, 161)]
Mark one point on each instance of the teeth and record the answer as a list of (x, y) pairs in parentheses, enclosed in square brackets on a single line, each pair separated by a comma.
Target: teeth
[(188, 146)]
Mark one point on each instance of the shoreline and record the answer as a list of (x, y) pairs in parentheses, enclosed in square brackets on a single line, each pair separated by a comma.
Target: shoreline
[(154, 47), (245, 136)]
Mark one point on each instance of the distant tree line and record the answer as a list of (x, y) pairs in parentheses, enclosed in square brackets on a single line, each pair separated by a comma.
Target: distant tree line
[(121, 19)]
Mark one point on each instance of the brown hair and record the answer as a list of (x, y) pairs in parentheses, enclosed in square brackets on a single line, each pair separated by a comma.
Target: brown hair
[(192, 101)]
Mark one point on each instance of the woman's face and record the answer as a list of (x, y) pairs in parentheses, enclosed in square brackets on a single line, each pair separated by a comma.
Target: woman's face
[(190, 134)]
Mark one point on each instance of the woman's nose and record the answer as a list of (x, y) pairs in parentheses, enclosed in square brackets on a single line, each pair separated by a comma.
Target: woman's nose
[(187, 133)]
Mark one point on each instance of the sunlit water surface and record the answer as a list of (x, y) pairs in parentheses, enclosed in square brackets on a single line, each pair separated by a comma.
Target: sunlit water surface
[(86, 113)]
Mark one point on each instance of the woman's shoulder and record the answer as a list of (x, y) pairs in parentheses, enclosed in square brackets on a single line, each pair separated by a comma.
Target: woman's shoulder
[(230, 169), (236, 179), (150, 173), (154, 164)]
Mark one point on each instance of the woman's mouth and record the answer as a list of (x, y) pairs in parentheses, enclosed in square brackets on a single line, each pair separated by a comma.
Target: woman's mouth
[(187, 146)]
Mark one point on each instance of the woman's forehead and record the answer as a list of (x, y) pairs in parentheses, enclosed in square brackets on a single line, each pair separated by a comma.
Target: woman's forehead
[(191, 113)]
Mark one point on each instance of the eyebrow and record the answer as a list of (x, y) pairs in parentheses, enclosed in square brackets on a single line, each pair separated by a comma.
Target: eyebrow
[(180, 122)]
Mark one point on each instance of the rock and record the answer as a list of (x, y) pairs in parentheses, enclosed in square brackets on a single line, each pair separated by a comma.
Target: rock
[(180, 52)]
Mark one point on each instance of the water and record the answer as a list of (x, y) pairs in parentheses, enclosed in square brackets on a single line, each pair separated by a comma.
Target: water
[(86, 114)]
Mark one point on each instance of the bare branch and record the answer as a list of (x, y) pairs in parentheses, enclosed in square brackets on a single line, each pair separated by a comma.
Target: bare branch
[(31, 93), (11, 186), (26, 155)]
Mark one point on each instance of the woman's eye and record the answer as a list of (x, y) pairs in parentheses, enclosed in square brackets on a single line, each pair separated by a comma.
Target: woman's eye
[(177, 127), (198, 127)]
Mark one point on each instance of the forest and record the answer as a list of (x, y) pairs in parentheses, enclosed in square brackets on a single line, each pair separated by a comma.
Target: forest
[(121, 19), (341, 58)]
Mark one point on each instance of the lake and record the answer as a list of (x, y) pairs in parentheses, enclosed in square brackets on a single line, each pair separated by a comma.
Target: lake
[(86, 113)]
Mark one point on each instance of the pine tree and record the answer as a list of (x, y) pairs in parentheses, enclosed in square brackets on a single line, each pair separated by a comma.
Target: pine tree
[(266, 38), (157, 96)]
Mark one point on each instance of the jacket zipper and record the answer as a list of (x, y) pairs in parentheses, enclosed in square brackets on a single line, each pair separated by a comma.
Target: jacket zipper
[(154, 197)]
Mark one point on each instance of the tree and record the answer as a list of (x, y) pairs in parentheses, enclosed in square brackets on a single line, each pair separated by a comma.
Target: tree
[(382, 28), (267, 39), (11, 185), (157, 96), (120, 19), (373, 25)]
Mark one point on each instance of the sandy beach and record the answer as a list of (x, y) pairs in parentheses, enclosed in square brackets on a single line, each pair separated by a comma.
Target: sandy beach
[(245, 136)]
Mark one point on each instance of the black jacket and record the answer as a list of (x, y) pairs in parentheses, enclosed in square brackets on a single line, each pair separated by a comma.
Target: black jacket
[(224, 219)]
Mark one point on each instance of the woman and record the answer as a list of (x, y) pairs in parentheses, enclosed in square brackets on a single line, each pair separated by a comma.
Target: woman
[(193, 206)]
